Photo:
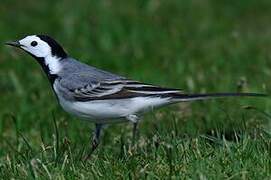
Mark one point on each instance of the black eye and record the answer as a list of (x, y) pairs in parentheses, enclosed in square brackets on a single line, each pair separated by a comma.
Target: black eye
[(34, 43)]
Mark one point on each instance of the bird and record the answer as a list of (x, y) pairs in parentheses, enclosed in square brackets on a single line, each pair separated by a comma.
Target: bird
[(99, 96)]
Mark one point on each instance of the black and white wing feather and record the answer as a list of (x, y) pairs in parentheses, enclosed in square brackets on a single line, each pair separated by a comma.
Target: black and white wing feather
[(119, 89)]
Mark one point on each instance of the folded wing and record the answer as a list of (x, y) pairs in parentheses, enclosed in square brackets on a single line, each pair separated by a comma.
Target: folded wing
[(119, 89)]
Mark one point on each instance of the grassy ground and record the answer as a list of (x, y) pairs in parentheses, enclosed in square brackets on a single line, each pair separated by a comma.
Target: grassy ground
[(199, 46)]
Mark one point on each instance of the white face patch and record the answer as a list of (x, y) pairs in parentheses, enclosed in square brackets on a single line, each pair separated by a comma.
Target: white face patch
[(34, 45), (39, 48)]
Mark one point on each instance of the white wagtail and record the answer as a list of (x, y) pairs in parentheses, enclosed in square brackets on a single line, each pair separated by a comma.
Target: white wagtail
[(97, 95)]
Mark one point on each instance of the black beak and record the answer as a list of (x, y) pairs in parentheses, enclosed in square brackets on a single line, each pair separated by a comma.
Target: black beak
[(14, 43)]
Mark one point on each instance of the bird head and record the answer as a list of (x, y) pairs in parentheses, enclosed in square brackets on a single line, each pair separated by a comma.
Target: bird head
[(44, 49), (40, 46)]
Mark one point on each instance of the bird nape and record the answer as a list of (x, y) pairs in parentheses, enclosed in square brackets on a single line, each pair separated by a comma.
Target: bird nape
[(100, 96)]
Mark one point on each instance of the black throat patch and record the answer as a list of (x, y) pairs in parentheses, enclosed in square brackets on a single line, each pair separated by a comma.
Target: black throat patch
[(41, 61)]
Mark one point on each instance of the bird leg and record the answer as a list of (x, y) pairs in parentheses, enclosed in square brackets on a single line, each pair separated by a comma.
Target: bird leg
[(135, 132), (134, 119), (95, 139)]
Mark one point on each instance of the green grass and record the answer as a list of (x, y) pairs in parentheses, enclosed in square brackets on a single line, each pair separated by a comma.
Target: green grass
[(198, 46)]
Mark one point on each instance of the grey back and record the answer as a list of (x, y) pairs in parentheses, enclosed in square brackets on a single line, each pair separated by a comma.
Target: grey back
[(76, 75)]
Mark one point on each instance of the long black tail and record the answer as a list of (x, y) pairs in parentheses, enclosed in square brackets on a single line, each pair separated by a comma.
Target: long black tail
[(178, 97)]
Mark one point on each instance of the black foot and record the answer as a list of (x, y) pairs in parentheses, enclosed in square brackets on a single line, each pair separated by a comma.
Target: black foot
[(94, 146), (95, 141)]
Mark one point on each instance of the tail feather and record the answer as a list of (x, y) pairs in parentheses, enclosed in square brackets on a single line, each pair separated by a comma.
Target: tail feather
[(194, 97)]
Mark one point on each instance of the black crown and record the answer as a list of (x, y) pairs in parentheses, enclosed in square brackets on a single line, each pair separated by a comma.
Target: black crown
[(57, 50)]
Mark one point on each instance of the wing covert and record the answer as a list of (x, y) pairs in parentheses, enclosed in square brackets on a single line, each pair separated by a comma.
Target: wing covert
[(114, 89)]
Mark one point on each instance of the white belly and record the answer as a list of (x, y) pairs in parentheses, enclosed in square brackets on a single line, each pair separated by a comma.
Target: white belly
[(110, 110)]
